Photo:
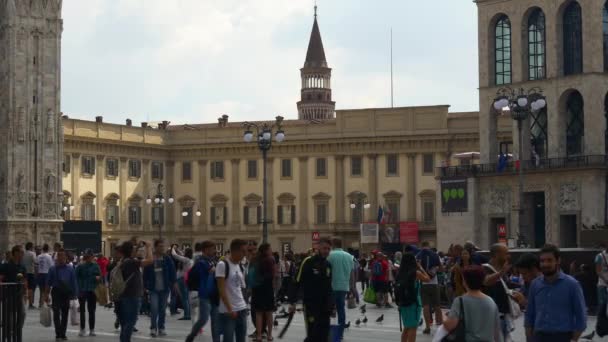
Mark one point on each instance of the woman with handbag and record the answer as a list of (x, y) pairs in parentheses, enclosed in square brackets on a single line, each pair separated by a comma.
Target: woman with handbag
[(407, 295), (473, 316)]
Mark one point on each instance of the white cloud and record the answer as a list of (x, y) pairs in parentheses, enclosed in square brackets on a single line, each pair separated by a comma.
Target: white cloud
[(192, 60)]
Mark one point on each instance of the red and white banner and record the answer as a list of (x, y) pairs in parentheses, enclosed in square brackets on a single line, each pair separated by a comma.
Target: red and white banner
[(408, 232)]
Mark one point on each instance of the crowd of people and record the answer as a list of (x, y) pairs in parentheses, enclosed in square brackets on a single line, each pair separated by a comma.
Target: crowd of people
[(485, 293)]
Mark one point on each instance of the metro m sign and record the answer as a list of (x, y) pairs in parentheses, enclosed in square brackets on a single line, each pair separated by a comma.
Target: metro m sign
[(316, 237)]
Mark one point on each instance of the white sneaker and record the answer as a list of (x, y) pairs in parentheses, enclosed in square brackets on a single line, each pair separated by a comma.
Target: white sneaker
[(162, 333), (82, 333), (153, 333), (92, 333)]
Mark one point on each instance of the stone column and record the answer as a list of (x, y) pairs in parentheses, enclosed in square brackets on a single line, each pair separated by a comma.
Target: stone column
[(270, 175), (123, 174), (236, 201), (75, 172), (556, 127), (202, 195), (411, 187), (593, 38), (302, 212), (147, 191), (170, 191), (99, 176), (340, 196), (373, 184)]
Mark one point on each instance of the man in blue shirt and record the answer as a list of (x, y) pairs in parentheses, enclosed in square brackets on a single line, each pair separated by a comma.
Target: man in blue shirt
[(64, 287), (556, 306), (204, 269)]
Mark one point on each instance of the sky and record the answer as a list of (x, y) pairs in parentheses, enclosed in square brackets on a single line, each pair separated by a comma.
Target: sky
[(190, 61)]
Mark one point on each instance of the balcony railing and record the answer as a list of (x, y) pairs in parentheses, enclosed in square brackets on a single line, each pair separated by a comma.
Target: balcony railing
[(512, 167)]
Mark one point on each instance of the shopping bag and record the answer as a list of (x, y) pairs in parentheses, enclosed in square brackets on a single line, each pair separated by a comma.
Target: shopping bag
[(351, 303), (101, 292), (440, 334), (370, 295), (74, 312), (45, 316)]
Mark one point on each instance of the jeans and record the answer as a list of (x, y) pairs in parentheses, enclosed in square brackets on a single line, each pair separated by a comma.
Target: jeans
[(601, 297), (90, 300), (61, 308), (206, 310), (185, 296), (173, 301), (128, 309), (340, 300), (234, 329), (158, 309)]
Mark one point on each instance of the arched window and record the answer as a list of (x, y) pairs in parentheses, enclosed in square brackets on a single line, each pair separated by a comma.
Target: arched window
[(575, 129), (536, 45), (538, 132), (502, 53), (573, 40), (605, 30)]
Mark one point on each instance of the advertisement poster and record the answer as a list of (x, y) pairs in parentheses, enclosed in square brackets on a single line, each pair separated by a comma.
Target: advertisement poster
[(454, 195), (369, 233), (408, 232), (389, 233)]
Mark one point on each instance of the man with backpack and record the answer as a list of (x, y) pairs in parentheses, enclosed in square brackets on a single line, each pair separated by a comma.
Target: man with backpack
[(430, 289), (126, 287), (230, 282), (201, 279), (379, 269)]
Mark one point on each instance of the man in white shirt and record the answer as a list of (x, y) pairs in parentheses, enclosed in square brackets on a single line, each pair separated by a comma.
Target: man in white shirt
[(230, 282), (45, 262)]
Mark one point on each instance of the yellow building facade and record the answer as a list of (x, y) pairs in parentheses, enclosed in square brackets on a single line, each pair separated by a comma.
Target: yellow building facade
[(381, 157)]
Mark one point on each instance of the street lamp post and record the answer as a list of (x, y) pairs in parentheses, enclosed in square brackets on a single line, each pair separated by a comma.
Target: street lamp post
[(359, 201), (520, 104), (159, 201), (264, 134)]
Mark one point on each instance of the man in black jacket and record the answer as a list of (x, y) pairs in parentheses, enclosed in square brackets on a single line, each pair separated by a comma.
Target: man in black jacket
[(314, 279)]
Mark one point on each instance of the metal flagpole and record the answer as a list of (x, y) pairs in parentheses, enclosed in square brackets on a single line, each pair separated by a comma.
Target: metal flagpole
[(392, 89)]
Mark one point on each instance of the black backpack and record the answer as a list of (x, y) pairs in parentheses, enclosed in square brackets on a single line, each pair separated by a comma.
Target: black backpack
[(406, 293)]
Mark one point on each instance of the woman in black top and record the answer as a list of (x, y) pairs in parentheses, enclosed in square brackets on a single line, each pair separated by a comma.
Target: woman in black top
[(262, 295)]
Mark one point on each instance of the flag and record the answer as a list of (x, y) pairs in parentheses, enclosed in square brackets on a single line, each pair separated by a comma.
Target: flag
[(387, 215), (380, 214)]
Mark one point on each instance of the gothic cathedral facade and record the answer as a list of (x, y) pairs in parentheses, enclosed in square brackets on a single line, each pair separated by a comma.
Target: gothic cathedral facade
[(31, 133)]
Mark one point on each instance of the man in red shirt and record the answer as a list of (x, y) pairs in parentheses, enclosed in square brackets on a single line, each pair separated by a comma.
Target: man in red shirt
[(379, 273), (103, 263)]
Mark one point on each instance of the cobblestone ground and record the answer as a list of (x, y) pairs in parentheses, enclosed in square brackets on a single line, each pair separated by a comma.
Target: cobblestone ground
[(177, 330)]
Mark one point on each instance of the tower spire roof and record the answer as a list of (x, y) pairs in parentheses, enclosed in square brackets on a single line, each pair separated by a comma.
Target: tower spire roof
[(315, 56)]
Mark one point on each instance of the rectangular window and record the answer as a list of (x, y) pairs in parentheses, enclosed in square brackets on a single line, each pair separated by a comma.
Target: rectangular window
[(88, 212), (286, 168), (88, 165), (112, 214), (286, 214), (217, 170), (134, 168), (392, 165), (135, 215), (112, 167), (187, 219), (219, 216), (428, 214), (356, 166), (393, 207), (158, 216), (157, 170), (66, 164), (252, 169), (321, 167), (322, 213), (186, 171), (428, 163)]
